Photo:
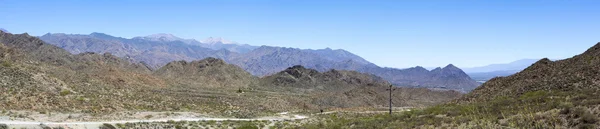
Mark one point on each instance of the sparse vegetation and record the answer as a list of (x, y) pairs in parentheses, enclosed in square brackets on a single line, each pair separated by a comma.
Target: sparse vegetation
[(3, 126), (107, 126), (65, 92), (545, 95)]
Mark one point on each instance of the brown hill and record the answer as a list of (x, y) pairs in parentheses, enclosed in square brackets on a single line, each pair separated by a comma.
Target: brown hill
[(345, 89), (209, 72), (548, 94), (579, 73)]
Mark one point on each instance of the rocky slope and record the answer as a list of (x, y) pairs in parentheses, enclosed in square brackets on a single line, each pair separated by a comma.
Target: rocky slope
[(340, 88), (209, 72), (573, 74), (548, 94), (41, 77)]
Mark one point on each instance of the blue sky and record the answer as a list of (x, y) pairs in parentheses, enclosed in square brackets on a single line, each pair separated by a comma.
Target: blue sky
[(388, 33)]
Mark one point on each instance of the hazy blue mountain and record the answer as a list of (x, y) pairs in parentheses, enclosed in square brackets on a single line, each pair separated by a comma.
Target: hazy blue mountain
[(512, 66), (153, 53), (488, 72), (485, 76), (159, 49), (215, 43), (267, 60)]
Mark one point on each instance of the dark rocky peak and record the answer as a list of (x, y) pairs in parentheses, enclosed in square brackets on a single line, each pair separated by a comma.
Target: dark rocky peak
[(420, 68), (207, 62), (417, 69), (23, 41), (451, 67), (210, 61), (86, 53), (540, 64), (593, 51), (300, 71), (106, 57), (438, 69), (176, 63), (333, 74)]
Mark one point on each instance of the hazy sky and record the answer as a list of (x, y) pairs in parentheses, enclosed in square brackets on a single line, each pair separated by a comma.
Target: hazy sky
[(388, 33)]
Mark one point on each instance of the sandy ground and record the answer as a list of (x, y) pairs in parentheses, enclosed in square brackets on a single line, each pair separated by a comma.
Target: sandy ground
[(80, 121), (36, 120)]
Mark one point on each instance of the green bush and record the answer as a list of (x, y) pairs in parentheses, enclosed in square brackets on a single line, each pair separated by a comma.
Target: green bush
[(588, 118), (6, 64), (107, 126), (65, 92), (247, 126), (3, 126), (120, 125), (587, 126)]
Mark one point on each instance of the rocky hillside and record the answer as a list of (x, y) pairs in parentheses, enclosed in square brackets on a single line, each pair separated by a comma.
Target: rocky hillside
[(548, 94), (573, 74), (339, 88), (209, 72), (299, 77), (449, 77)]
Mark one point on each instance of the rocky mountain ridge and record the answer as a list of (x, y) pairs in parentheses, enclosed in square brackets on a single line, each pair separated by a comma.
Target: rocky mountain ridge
[(260, 61)]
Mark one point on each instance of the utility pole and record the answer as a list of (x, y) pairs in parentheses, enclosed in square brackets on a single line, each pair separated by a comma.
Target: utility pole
[(391, 89)]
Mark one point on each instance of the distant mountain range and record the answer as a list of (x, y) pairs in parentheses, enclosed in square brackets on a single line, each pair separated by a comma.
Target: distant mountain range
[(515, 65), (488, 72), (159, 49)]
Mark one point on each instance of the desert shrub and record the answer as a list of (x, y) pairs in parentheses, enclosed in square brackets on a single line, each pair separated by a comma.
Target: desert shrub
[(588, 118), (65, 92), (6, 64), (171, 121), (587, 126), (247, 126), (107, 126), (179, 127), (120, 125)]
